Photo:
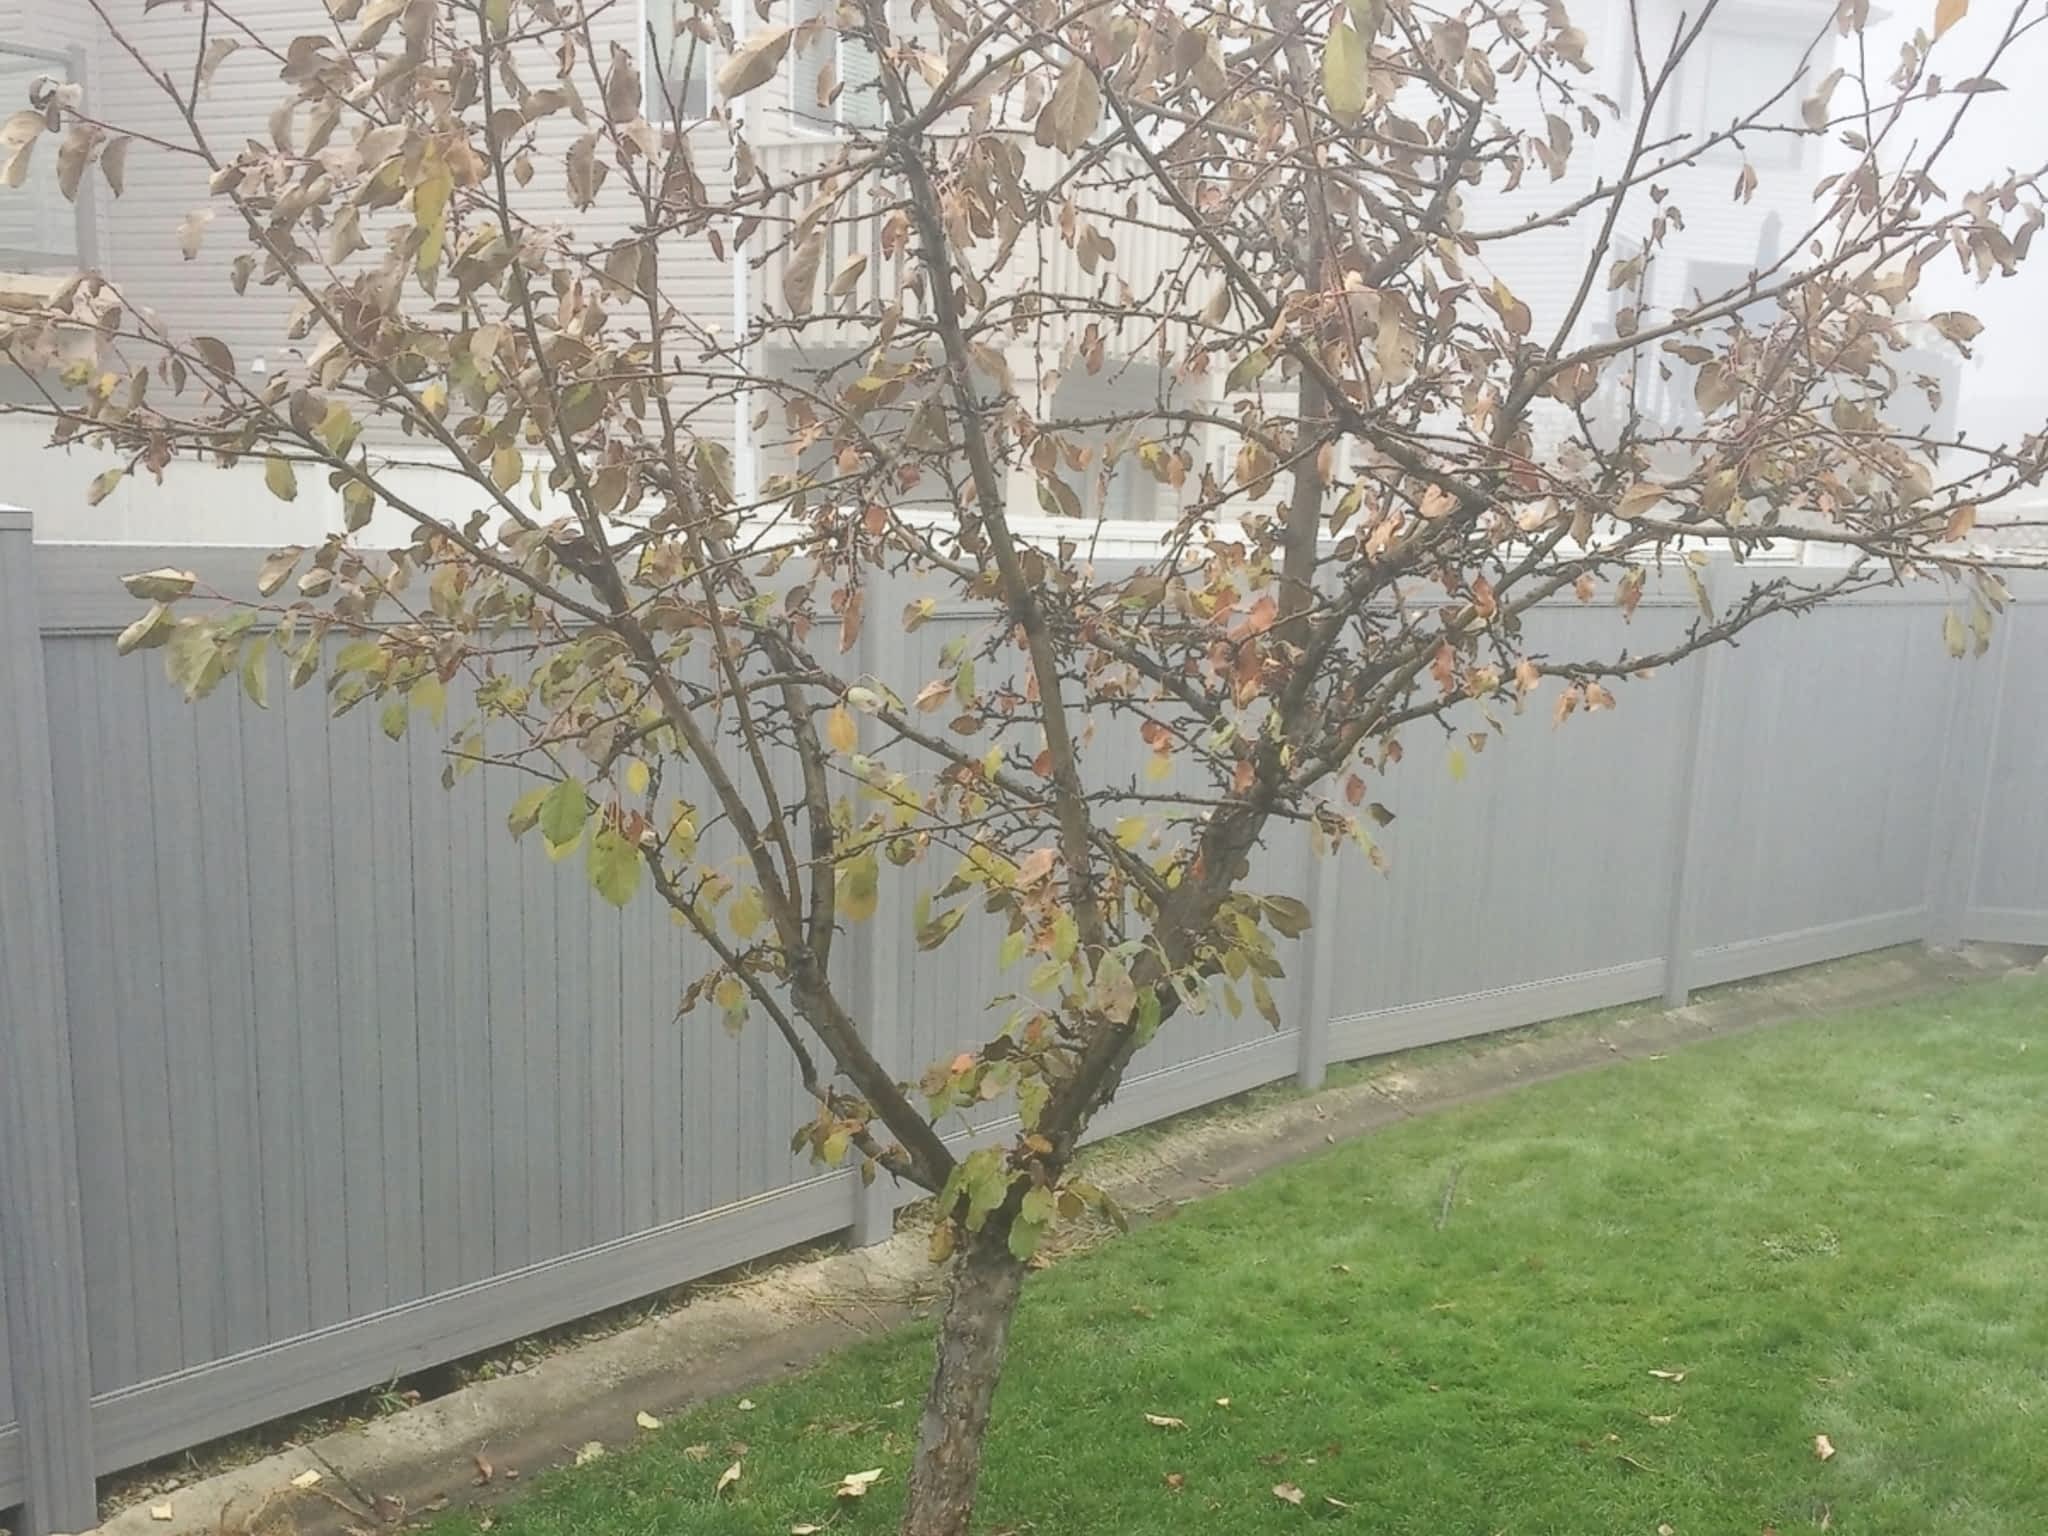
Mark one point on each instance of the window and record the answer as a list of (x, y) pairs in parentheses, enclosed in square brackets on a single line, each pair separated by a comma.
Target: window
[(1740, 60), (41, 231), (677, 63), (835, 78)]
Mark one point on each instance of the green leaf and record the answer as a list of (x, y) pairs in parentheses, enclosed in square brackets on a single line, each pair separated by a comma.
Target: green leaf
[(1145, 1021), (1023, 1240), (1344, 73), (163, 585), (859, 892), (526, 811), (431, 695), (1288, 915), (614, 865), (256, 673), (1247, 370), (832, 1152), (280, 478), (147, 632), (563, 811), (393, 719)]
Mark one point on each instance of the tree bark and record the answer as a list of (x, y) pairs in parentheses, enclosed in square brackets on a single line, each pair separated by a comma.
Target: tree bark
[(974, 1338)]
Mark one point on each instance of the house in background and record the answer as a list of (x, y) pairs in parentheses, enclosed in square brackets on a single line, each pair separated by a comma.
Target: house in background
[(798, 124)]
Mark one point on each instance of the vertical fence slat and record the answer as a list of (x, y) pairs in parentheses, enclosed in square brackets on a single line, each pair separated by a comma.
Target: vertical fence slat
[(1312, 1061), (42, 1251), (1690, 830)]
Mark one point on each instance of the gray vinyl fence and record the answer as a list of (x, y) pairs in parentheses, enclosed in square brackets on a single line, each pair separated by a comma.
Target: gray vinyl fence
[(310, 1077)]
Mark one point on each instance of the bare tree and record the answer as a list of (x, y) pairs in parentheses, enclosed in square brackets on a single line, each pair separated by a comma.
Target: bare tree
[(1283, 238)]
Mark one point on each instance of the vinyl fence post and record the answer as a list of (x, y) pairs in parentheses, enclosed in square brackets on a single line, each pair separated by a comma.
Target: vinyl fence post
[(1681, 946), (1312, 1063), (882, 957), (1962, 801), (42, 1255)]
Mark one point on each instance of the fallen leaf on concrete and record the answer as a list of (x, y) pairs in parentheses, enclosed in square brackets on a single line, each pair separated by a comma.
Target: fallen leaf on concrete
[(855, 1485), (1161, 1421), (484, 1470), (646, 1420), (591, 1450), (161, 1512), (310, 1478), (1823, 1447), (1287, 1493), (726, 1479)]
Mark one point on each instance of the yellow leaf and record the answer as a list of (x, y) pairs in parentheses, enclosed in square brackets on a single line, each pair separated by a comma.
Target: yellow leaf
[(1457, 766), (1823, 1448), (1161, 1421), (637, 777), (646, 1420), (746, 914), (1947, 13), (279, 477), (310, 1478), (1344, 73), (840, 730), (591, 1450), (1287, 1493), (726, 1479)]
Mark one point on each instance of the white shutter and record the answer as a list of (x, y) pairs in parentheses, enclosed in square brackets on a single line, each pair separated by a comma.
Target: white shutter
[(814, 65), (860, 74)]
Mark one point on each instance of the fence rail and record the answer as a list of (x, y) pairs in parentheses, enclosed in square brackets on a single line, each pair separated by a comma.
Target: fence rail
[(309, 1077)]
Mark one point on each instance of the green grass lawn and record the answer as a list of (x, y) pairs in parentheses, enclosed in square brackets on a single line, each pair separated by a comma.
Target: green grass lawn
[(1836, 1228)]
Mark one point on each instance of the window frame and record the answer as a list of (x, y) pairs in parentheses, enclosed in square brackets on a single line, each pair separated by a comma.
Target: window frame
[(649, 101), (30, 273)]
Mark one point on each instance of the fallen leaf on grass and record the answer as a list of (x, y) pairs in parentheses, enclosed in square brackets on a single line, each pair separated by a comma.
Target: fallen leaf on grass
[(1336, 1503), (805, 1530), (1222, 1402), (646, 1420), (726, 1479), (1823, 1447), (697, 1452), (310, 1478), (1273, 1459), (1161, 1421), (1673, 1377), (745, 1405), (160, 1512), (1666, 1530), (591, 1451), (1175, 1481), (1287, 1493), (855, 1485)]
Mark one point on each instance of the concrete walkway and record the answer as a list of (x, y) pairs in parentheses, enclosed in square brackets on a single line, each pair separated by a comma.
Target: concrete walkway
[(730, 1338)]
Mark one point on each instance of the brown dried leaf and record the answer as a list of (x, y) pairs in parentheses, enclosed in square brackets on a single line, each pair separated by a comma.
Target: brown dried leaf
[(855, 1485), (1823, 1448), (1161, 1421), (1287, 1493), (753, 63)]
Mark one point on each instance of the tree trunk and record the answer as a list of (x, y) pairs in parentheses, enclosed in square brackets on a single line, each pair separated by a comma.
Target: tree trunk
[(974, 1337)]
